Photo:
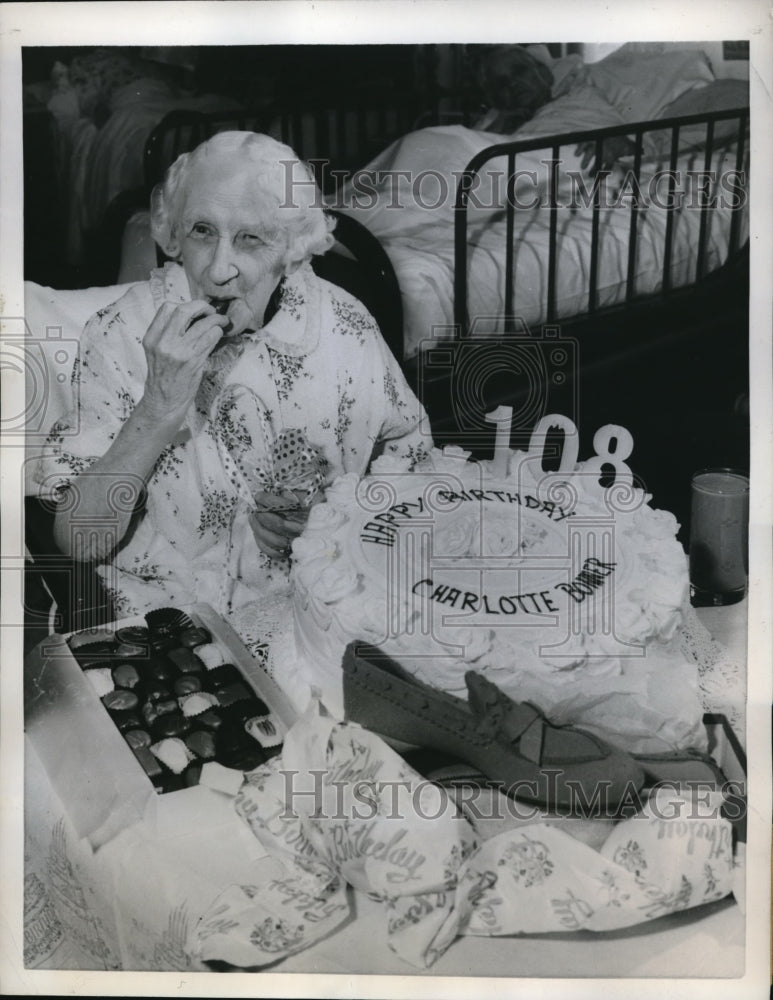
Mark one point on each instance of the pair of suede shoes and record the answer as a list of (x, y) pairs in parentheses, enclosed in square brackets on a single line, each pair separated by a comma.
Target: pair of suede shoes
[(495, 740)]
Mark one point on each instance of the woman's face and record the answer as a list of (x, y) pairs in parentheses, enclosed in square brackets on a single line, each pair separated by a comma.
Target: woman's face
[(230, 245)]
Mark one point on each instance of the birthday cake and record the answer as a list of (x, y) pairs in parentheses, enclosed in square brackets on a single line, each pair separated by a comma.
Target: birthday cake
[(561, 591)]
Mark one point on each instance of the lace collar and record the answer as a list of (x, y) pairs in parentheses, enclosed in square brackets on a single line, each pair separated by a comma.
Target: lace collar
[(292, 330)]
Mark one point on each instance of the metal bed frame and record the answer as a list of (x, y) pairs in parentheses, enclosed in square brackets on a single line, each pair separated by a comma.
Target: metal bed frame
[(554, 143), (341, 138)]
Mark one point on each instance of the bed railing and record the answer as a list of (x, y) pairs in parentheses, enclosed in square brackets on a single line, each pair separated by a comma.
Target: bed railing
[(553, 145), (335, 140)]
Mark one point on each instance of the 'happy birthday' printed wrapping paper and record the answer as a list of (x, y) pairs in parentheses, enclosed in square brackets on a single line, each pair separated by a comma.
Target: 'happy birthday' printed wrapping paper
[(339, 807)]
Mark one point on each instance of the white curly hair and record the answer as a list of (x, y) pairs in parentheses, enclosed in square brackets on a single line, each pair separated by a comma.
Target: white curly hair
[(283, 179)]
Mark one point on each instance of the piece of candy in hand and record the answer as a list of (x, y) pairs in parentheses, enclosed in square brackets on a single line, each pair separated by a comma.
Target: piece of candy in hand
[(221, 307)]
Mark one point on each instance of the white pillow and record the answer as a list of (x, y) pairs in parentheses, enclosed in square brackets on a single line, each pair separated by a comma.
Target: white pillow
[(721, 95), (54, 322), (640, 85)]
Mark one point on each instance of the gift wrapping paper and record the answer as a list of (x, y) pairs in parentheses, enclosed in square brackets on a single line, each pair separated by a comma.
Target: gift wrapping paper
[(339, 807)]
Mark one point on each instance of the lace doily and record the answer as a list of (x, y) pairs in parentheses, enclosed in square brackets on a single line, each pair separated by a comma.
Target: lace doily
[(266, 629), (721, 679), (261, 625)]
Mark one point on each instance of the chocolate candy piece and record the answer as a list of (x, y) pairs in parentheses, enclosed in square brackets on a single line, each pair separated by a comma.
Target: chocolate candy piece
[(172, 783), (210, 655), (192, 637), (232, 693), (187, 685), (220, 305), (171, 724), (243, 757), (173, 753), (83, 650), (240, 711), (225, 674), (153, 691), (137, 738), (198, 702), (120, 700), (130, 650), (185, 660), (160, 643), (125, 675), (160, 669), (265, 730), (238, 750), (149, 764), (129, 721), (211, 720), (136, 635), (101, 679), (201, 743), (192, 774), (228, 738), (166, 622), (152, 710), (220, 778)]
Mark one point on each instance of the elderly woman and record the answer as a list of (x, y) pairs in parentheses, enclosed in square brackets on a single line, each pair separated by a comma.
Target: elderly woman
[(514, 85), (186, 384)]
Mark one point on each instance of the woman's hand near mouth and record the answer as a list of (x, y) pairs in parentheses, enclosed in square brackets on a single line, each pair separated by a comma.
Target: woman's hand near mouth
[(177, 346)]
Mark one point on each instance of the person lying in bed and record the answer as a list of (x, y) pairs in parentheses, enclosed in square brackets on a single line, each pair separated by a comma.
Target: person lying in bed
[(216, 400), (513, 84)]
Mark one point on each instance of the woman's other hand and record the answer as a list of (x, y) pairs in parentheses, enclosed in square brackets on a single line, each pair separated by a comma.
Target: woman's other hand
[(275, 530), (613, 149), (177, 346)]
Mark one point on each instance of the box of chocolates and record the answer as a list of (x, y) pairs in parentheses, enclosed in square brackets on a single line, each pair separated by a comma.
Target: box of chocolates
[(143, 719)]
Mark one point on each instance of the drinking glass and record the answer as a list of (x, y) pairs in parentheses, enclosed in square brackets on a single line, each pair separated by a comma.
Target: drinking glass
[(719, 537)]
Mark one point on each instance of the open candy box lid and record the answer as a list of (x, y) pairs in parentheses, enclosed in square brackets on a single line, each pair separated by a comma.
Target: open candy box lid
[(92, 769)]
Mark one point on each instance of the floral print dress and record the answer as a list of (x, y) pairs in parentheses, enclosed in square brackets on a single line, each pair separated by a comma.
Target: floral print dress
[(319, 365)]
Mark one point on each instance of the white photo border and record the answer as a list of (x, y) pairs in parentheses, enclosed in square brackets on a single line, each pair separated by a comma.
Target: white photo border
[(361, 21)]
